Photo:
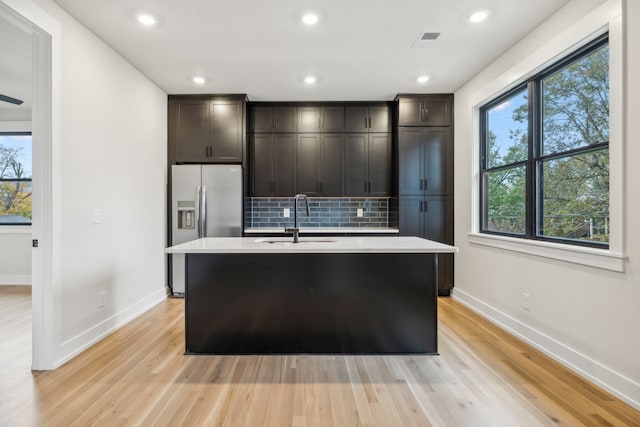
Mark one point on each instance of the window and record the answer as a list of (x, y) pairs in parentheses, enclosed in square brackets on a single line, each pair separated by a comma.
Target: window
[(545, 153), (15, 178)]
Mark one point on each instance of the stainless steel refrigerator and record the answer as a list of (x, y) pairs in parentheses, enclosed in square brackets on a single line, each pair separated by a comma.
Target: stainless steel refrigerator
[(206, 202)]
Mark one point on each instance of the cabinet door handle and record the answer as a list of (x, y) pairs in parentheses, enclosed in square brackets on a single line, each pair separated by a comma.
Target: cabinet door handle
[(426, 184), (320, 126), (426, 114), (421, 185), (420, 205), (369, 122), (425, 206), (421, 112)]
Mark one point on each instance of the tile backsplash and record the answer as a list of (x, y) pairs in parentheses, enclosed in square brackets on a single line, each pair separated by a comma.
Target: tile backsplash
[(378, 212)]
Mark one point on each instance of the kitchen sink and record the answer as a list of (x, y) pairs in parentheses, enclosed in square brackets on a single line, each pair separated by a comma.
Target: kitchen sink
[(289, 240)]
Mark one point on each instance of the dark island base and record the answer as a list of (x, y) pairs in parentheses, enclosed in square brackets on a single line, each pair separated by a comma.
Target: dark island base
[(311, 303)]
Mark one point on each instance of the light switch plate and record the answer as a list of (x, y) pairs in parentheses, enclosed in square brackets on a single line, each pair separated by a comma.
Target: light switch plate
[(286, 212), (360, 212), (97, 216)]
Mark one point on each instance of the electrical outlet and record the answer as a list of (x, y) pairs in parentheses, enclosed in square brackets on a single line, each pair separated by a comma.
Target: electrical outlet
[(97, 216), (360, 212), (102, 296), (286, 212), (526, 301)]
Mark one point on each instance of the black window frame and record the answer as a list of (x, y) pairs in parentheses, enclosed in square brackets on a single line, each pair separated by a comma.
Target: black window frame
[(23, 224), (535, 159)]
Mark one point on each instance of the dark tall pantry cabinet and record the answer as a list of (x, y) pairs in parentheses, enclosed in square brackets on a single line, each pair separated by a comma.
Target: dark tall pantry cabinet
[(425, 174)]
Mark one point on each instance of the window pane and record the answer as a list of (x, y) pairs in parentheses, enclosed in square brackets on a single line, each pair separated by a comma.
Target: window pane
[(507, 131), (15, 202), (505, 200), (15, 179), (575, 197), (575, 103)]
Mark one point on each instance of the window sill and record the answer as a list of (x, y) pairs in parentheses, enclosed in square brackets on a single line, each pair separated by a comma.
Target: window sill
[(599, 258), (15, 229)]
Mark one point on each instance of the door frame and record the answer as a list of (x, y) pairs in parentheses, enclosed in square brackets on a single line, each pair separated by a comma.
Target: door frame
[(45, 123)]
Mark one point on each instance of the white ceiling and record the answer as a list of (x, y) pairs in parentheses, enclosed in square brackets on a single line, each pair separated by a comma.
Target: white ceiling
[(15, 66), (360, 50)]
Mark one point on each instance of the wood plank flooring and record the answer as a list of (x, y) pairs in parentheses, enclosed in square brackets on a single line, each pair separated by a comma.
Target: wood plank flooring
[(139, 376)]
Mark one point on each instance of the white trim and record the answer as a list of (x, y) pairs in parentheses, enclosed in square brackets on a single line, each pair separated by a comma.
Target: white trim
[(592, 257), (615, 383), (604, 18), (15, 279), (15, 126), (91, 336)]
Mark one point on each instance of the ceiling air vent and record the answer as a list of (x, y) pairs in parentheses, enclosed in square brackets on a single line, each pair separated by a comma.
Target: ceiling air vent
[(429, 36), (424, 38)]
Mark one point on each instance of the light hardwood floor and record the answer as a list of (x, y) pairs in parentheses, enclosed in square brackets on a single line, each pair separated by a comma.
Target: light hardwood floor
[(139, 376)]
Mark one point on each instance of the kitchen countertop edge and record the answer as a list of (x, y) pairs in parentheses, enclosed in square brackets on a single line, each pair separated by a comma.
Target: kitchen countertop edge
[(373, 244)]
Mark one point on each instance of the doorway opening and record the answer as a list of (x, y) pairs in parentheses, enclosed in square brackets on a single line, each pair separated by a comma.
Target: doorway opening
[(27, 79)]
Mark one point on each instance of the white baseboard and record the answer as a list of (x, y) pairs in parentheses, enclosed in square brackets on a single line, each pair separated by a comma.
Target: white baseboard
[(620, 386), (15, 279), (76, 345)]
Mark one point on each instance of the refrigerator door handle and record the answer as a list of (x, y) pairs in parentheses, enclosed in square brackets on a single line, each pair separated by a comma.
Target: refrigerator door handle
[(198, 216), (203, 208)]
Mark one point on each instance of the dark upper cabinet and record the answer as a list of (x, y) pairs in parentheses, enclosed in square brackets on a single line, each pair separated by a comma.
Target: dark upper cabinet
[(430, 217), (372, 118), (425, 110), (331, 164), (319, 164), (227, 131), (367, 159), (273, 164), (308, 164), (321, 119), (207, 131), (192, 130), (274, 119), (424, 160)]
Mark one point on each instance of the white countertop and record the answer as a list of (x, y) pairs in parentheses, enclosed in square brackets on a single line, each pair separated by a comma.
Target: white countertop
[(386, 244), (324, 230)]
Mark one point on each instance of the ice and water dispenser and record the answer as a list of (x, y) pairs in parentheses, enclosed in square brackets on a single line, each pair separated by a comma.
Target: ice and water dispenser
[(186, 214)]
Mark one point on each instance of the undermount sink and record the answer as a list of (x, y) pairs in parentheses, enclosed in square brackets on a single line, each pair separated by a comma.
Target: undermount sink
[(288, 240)]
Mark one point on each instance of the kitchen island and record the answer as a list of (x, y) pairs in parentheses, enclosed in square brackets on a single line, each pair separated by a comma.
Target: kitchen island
[(358, 295)]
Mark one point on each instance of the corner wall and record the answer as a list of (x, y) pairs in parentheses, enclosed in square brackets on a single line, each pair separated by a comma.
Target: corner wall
[(583, 316)]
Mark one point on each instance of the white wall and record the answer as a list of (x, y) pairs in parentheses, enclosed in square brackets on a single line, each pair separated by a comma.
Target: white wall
[(109, 152), (15, 241), (15, 262), (584, 316)]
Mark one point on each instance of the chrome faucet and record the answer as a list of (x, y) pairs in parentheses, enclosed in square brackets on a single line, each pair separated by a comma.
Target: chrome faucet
[(295, 229)]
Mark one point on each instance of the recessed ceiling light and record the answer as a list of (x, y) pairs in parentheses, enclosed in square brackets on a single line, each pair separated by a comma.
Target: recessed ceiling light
[(422, 79), (199, 80), (147, 20), (310, 19), (478, 16), (310, 80)]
